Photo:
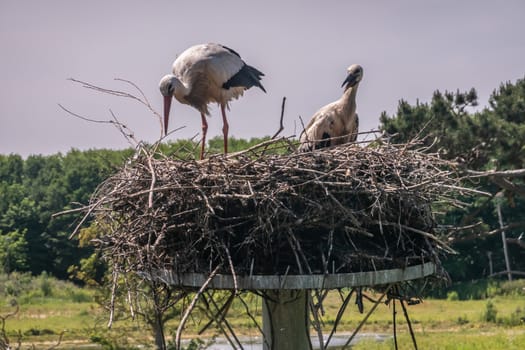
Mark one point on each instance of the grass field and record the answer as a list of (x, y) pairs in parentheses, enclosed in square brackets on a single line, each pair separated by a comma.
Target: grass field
[(48, 310), (442, 324), (454, 340)]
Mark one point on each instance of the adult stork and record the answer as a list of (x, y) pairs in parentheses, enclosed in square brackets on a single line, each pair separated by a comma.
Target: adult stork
[(337, 122), (208, 73)]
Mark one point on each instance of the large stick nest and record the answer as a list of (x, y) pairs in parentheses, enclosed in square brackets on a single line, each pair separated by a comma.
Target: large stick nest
[(343, 209)]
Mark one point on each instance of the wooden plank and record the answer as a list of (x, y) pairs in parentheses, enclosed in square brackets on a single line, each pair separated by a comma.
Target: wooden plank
[(329, 281)]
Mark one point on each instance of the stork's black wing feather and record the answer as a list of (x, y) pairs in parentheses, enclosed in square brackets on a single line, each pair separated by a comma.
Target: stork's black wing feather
[(232, 51), (247, 77), (326, 142)]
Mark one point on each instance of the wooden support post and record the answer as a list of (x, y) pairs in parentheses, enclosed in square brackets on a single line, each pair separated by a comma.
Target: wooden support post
[(285, 320)]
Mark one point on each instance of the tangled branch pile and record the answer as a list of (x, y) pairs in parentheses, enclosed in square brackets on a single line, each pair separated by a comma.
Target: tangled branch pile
[(342, 209)]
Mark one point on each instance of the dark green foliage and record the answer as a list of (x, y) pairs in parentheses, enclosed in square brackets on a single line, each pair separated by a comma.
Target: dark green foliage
[(479, 289), (439, 123), (490, 139), (13, 251), (471, 290), (33, 189), (216, 144), (11, 168)]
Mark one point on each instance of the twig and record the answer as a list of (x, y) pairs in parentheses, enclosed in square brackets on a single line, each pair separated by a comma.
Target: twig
[(217, 317), (317, 323), (86, 118), (366, 318), (519, 242), (114, 282), (144, 101), (408, 323), (222, 319), (115, 122), (281, 126), (250, 315), (232, 269), (152, 185), (394, 322), (60, 336), (192, 305), (221, 313), (340, 314), (494, 173), (4, 340)]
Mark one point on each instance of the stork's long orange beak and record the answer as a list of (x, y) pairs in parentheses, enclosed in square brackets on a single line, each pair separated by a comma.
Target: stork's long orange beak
[(167, 106)]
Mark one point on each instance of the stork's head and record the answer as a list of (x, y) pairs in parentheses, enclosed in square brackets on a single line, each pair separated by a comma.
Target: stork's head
[(167, 87), (355, 74)]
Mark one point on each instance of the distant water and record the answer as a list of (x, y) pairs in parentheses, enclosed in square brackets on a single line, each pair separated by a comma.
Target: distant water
[(255, 343), (337, 341)]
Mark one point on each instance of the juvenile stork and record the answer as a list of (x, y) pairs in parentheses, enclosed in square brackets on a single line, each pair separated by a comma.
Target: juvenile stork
[(208, 73), (337, 122)]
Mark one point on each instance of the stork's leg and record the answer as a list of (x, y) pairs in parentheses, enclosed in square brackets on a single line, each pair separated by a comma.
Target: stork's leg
[(204, 131), (225, 128)]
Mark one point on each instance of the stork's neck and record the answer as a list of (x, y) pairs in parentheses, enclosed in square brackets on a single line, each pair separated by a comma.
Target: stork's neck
[(348, 99), (180, 90)]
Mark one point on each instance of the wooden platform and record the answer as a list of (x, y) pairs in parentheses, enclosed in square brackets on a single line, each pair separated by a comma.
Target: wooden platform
[(328, 281)]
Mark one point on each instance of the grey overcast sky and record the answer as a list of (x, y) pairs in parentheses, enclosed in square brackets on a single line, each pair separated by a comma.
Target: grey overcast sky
[(408, 49)]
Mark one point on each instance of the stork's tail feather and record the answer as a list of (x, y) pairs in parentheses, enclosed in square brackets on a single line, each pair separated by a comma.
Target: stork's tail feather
[(247, 77)]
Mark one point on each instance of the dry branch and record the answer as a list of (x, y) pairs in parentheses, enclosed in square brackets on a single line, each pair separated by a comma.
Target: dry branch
[(501, 178), (281, 126), (516, 241), (4, 340)]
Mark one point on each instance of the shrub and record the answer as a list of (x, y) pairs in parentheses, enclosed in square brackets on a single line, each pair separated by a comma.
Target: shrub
[(14, 284), (462, 320), (452, 296), (45, 285), (472, 290), (516, 287), (515, 319), (37, 332), (31, 297), (490, 312), (78, 296)]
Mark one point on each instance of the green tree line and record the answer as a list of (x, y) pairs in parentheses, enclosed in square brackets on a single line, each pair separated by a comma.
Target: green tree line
[(35, 188), (32, 190), (492, 138)]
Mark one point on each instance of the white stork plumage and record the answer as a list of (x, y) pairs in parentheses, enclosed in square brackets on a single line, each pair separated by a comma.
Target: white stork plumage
[(208, 73), (337, 122)]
